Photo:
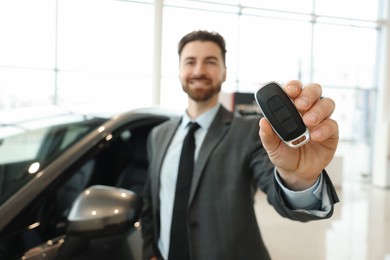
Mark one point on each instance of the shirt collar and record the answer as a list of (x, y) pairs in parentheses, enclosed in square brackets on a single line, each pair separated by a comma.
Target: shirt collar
[(204, 120)]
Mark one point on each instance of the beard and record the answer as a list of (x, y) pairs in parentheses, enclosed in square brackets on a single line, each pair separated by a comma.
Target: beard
[(201, 94)]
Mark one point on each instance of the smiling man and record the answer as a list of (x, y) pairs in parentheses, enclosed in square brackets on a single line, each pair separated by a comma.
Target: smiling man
[(199, 205)]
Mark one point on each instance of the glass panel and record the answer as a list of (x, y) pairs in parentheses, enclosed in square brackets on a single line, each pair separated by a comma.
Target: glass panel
[(27, 29), (304, 6), (230, 6), (276, 14), (19, 87), (353, 113), (273, 49), (172, 96), (361, 9), (345, 56), (347, 22), (228, 2), (223, 23), (107, 92), (115, 36)]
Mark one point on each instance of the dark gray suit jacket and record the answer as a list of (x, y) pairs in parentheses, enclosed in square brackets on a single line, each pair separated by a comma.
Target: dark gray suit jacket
[(231, 165)]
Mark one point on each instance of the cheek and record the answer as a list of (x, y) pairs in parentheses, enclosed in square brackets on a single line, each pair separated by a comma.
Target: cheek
[(181, 76), (224, 77), (184, 74), (221, 76)]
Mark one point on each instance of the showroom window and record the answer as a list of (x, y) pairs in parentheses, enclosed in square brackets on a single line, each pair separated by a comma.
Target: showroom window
[(100, 52), (314, 41), (75, 52)]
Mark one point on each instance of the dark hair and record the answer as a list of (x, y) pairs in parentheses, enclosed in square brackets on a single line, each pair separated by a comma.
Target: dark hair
[(204, 36)]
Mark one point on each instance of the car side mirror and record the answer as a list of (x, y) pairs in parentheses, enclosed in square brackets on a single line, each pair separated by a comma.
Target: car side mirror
[(103, 210), (100, 213), (99, 220)]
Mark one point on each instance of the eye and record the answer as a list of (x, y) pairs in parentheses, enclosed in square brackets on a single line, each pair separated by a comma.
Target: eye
[(211, 61), (189, 62)]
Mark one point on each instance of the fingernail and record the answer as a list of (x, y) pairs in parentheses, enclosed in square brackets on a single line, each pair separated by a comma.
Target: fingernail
[(292, 88)]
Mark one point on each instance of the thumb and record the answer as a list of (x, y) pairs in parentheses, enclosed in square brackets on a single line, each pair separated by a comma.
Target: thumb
[(267, 135)]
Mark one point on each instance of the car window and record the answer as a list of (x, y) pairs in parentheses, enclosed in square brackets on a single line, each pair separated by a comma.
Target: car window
[(72, 134), (60, 138), (21, 147), (23, 155)]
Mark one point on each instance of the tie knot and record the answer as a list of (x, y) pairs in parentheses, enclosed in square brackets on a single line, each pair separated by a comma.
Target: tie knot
[(193, 126)]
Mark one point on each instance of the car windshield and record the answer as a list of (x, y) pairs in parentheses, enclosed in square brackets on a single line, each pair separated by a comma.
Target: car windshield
[(24, 154)]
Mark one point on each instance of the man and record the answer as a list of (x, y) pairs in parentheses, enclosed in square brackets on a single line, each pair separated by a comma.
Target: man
[(231, 161)]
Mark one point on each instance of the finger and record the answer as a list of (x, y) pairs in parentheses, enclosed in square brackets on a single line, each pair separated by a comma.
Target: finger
[(293, 88), (320, 111), (309, 95), (267, 135), (327, 130)]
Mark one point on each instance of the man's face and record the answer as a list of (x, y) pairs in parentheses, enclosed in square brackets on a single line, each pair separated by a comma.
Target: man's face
[(202, 70)]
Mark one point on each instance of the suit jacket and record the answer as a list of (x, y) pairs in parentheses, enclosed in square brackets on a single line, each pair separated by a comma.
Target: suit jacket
[(231, 164)]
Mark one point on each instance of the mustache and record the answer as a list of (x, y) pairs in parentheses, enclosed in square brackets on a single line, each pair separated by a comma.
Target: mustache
[(200, 77)]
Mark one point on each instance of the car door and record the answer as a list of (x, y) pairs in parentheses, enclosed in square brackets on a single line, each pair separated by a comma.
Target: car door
[(117, 158)]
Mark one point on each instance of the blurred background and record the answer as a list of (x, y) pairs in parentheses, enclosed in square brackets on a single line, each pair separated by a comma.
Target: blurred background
[(122, 54)]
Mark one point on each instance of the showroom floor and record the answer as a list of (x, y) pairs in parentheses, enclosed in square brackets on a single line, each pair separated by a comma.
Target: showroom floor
[(358, 230)]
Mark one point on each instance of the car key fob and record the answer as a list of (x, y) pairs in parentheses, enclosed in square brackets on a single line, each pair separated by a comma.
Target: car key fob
[(281, 113)]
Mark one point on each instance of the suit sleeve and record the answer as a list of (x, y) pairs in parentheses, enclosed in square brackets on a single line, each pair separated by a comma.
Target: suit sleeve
[(263, 172), (277, 198)]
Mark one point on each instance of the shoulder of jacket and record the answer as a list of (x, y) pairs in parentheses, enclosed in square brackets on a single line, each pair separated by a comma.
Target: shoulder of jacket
[(167, 125)]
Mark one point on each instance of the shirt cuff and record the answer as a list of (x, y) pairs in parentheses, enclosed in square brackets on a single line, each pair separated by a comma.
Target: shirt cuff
[(309, 199)]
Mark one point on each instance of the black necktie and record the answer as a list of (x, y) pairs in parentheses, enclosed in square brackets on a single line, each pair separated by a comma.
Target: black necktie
[(179, 248)]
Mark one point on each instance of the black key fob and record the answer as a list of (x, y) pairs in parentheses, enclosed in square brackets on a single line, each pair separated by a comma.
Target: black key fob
[(281, 113)]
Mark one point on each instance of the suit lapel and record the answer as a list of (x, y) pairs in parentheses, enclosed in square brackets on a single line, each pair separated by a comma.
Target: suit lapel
[(215, 134), (165, 142), (163, 148)]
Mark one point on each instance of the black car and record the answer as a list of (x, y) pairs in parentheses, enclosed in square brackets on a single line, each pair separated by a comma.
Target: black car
[(70, 189)]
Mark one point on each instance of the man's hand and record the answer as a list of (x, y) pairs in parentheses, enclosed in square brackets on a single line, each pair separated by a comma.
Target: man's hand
[(299, 168)]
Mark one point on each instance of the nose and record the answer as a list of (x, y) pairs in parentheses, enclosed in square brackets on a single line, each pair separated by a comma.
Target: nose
[(199, 69)]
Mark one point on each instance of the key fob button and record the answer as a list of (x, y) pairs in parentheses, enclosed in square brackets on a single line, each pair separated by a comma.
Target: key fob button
[(275, 103), (289, 125), (282, 114)]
